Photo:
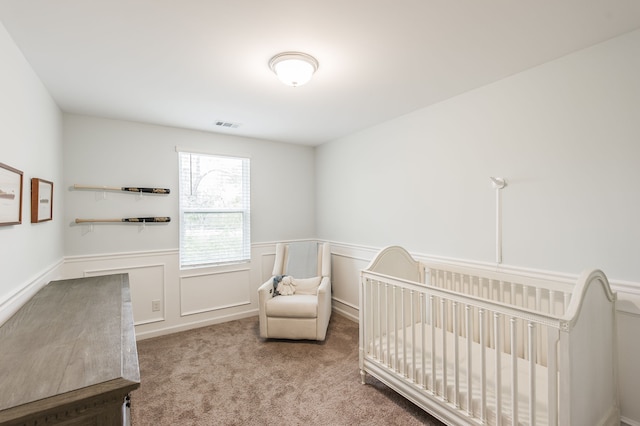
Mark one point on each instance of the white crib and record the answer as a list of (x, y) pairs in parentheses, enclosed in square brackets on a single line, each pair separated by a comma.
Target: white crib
[(473, 346)]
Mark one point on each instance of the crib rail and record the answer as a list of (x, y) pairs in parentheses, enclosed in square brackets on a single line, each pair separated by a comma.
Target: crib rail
[(547, 296), (468, 350)]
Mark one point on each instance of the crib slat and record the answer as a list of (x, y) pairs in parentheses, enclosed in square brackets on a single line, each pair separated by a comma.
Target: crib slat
[(532, 373), (467, 289), (379, 355), (404, 334), (413, 336), (514, 372), (491, 293), (445, 327), (498, 384), (433, 345), (456, 356), (371, 335), (396, 361), (443, 314), (469, 335), (386, 318), (501, 298), (423, 338), (525, 349), (539, 336), (483, 368), (494, 296), (552, 375), (364, 315)]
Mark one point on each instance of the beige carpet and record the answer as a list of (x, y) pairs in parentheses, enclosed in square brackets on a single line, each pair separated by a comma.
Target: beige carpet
[(226, 375)]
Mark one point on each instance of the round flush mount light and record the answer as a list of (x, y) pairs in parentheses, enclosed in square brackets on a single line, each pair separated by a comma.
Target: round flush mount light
[(293, 68)]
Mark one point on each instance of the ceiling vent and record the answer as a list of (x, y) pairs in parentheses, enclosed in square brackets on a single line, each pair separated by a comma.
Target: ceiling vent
[(227, 124)]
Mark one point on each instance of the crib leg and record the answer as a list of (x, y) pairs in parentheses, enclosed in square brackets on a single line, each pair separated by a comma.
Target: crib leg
[(363, 376)]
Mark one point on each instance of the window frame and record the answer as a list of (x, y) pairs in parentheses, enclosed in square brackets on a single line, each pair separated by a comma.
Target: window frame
[(244, 211)]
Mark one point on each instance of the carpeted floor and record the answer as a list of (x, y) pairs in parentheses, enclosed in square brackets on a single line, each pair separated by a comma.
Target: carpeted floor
[(226, 375)]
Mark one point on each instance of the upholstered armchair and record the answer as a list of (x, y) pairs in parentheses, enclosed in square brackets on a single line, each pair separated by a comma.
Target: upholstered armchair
[(295, 303)]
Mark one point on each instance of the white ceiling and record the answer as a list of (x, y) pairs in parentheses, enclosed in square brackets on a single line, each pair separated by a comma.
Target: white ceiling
[(190, 63)]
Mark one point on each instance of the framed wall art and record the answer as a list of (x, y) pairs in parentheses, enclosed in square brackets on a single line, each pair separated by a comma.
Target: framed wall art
[(10, 195), (41, 200)]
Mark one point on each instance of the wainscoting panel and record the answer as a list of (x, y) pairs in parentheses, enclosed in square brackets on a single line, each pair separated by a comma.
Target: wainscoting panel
[(212, 291), (147, 286), (345, 276)]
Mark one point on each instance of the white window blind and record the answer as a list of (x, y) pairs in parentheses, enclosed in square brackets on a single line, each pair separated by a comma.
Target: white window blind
[(214, 209)]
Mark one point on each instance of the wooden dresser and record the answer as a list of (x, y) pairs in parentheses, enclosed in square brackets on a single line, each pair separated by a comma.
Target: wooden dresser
[(68, 356)]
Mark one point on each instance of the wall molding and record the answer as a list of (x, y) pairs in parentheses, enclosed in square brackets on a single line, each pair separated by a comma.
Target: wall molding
[(626, 287), (119, 255), (206, 274), (14, 301), (263, 244), (351, 257)]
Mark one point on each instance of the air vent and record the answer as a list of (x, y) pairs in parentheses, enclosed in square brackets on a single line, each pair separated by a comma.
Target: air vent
[(227, 124)]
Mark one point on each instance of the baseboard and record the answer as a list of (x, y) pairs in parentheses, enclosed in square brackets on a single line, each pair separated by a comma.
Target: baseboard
[(346, 309), (194, 324), (212, 321), (624, 421), (17, 299), (611, 418), (345, 315)]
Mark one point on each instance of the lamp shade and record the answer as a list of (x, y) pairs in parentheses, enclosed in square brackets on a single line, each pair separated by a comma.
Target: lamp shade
[(293, 68)]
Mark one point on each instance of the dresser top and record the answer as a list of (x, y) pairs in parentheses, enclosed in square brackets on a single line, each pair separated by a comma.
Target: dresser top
[(73, 339)]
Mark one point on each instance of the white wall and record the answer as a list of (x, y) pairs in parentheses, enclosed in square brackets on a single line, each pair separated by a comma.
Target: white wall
[(565, 135), (30, 141), (104, 152)]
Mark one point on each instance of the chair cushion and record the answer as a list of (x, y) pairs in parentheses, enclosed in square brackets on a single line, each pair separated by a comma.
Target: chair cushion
[(306, 285), (294, 306)]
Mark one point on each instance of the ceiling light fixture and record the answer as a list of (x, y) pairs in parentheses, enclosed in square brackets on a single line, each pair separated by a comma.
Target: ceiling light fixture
[(293, 68)]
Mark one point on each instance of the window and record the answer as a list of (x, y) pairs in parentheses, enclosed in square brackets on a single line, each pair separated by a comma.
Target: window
[(214, 209)]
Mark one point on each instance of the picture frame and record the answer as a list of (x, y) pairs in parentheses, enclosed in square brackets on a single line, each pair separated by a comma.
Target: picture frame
[(10, 195), (41, 200)]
